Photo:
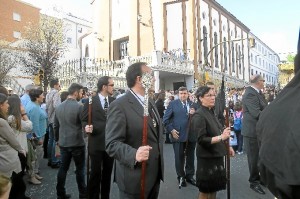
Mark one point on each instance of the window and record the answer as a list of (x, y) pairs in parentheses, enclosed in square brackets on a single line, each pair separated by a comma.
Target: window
[(205, 51), (233, 59), (80, 30), (215, 22), (224, 28), (17, 35), (251, 71), (240, 59), (251, 57), (225, 53), (16, 17), (203, 15), (216, 50), (255, 59), (87, 52), (123, 49), (69, 40)]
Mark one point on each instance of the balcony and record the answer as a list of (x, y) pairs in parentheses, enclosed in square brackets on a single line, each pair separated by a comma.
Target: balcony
[(87, 71)]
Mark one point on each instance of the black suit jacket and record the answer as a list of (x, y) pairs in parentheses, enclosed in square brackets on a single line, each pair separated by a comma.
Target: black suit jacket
[(97, 137), (124, 132), (206, 125)]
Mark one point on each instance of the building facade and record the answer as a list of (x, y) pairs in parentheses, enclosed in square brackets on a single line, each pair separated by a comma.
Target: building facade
[(14, 16), (186, 42), (264, 61)]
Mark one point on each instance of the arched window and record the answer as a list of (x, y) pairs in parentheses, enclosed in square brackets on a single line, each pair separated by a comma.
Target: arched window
[(205, 51), (216, 50), (233, 57), (87, 54), (240, 58), (225, 53)]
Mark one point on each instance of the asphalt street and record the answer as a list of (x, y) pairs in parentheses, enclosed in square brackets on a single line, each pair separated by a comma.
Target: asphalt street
[(169, 188)]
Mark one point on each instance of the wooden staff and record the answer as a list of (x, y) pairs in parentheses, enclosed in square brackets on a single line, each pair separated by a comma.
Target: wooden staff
[(227, 163), (147, 83), (88, 155)]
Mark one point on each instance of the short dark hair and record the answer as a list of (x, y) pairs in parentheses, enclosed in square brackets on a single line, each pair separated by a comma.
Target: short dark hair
[(182, 88), (133, 72), (53, 82), (201, 91), (34, 94), (3, 90), (64, 95), (104, 80), (74, 88), (238, 106)]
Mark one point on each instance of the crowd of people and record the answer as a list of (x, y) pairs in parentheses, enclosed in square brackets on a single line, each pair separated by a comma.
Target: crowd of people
[(106, 130)]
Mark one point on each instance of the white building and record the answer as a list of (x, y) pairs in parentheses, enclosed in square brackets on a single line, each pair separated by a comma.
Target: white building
[(76, 30), (264, 61)]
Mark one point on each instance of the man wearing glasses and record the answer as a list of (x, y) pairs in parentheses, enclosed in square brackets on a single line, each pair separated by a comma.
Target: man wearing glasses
[(253, 103), (101, 163)]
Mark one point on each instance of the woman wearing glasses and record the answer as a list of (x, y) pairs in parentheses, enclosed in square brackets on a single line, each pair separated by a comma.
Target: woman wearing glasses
[(211, 174)]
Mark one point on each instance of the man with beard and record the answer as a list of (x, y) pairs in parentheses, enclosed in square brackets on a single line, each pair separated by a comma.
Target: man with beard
[(101, 163), (68, 134)]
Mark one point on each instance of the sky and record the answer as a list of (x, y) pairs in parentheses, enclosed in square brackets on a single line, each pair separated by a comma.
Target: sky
[(275, 22), (80, 8)]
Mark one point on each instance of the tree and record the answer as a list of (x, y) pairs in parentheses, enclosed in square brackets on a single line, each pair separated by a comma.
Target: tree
[(45, 45), (7, 61), (290, 58), (286, 70)]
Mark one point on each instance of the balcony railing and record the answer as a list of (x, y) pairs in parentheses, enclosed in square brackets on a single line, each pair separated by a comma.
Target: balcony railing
[(87, 70)]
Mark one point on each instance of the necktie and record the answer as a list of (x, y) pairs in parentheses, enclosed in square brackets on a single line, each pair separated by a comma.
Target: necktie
[(185, 107), (105, 106)]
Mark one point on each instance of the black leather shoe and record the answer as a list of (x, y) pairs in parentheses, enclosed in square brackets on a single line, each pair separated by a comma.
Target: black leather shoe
[(182, 182), (55, 166), (191, 181), (257, 188), (66, 196)]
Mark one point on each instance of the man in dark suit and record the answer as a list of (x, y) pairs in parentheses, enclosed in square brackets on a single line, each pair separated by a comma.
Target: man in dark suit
[(176, 120), (123, 141), (253, 104), (101, 163)]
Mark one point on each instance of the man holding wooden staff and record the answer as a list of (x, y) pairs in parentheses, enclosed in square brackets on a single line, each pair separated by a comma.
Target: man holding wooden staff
[(124, 132), (101, 164)]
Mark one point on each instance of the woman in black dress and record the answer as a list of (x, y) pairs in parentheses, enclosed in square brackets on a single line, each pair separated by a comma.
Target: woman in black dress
[(211, 174)]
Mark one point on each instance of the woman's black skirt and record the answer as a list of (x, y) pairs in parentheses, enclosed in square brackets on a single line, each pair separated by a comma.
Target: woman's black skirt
[(210, 175)]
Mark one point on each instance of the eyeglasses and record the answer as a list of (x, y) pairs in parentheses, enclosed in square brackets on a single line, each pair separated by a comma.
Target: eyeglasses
[(262, 80), (210, 95), (112, 85)]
